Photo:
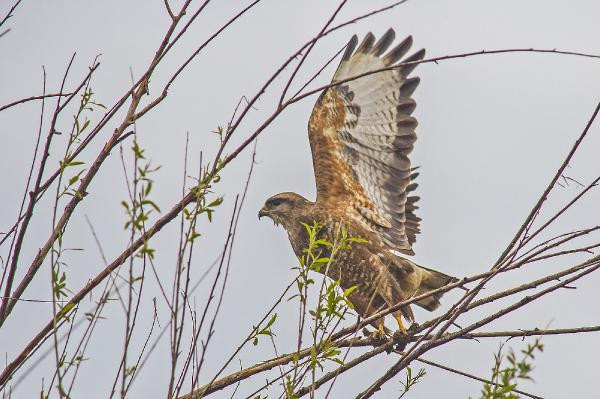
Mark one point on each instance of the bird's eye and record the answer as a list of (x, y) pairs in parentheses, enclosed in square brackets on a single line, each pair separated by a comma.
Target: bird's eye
[(275, 202)]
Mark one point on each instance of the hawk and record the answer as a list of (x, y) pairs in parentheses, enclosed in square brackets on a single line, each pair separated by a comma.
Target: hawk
[(361, 133)]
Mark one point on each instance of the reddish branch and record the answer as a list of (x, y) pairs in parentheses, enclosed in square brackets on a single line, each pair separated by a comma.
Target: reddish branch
[(440, 340), (9, 15), (33, 98), (534, 211), (473, 377), (295, 99), (6, 303), (461, 306), (379, 348), (135, 94)]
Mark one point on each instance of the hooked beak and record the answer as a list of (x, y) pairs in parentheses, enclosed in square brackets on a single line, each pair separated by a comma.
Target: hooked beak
[(262, 213)]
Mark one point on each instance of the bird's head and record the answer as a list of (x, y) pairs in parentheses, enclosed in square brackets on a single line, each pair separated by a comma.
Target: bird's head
[(283, 207)]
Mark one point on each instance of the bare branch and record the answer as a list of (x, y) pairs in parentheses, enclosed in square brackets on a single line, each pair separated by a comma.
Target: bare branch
[(437, 341), (532, 333), (6, 303), (549, 188), (169, 11), (8, 16), (473, 377), (33, 98), (295, 99), (308, 50)]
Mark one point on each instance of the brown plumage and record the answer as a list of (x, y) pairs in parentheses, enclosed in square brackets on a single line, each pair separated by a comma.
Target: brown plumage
[(361, 133)]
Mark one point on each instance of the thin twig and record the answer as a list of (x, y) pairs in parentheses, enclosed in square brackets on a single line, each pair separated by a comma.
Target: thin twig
[(7, 305), (550, 186), (30, 175), (9, 15), (473, 377), (169, 11), (33, 98), (308, 50), (293, 100), (437, 341), (187, 199)]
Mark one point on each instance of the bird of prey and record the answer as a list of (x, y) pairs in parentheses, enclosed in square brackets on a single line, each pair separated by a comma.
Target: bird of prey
[(361, 132)]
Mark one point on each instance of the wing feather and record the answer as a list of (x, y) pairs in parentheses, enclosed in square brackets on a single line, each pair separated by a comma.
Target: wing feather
[(361, 134)]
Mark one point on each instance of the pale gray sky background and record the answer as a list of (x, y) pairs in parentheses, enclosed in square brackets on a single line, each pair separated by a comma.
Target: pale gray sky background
[(493, 130)]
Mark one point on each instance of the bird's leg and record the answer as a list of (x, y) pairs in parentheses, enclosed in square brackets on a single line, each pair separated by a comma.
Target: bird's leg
[(380, 332), (398, 317), (381, 328)]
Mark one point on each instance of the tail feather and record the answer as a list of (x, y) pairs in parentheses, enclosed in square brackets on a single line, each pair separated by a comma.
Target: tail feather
[(431, 281)]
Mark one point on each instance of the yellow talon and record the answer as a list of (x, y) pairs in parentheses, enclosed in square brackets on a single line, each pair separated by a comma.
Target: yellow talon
[(380, 332), (400, 324), (381, 328)]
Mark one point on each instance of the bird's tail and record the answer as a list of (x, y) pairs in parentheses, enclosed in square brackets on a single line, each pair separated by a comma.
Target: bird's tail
[(431, 281)]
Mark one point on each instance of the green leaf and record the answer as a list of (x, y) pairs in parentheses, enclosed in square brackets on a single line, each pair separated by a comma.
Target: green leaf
[(151, 203), (137, 151), (193, 235), (64, 165), (272, 321), (216, 202), (350, 290)]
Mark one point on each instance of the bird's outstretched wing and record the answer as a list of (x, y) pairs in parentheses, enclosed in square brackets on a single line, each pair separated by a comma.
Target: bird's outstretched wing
[(361, 133)]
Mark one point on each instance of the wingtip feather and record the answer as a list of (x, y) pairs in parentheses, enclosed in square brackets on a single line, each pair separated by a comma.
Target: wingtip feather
[(399, 51), (367, 43), (350, 48), (384, 42), (418, 56)]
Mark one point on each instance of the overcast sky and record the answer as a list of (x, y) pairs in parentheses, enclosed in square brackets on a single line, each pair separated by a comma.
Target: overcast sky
[(492, 132)]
